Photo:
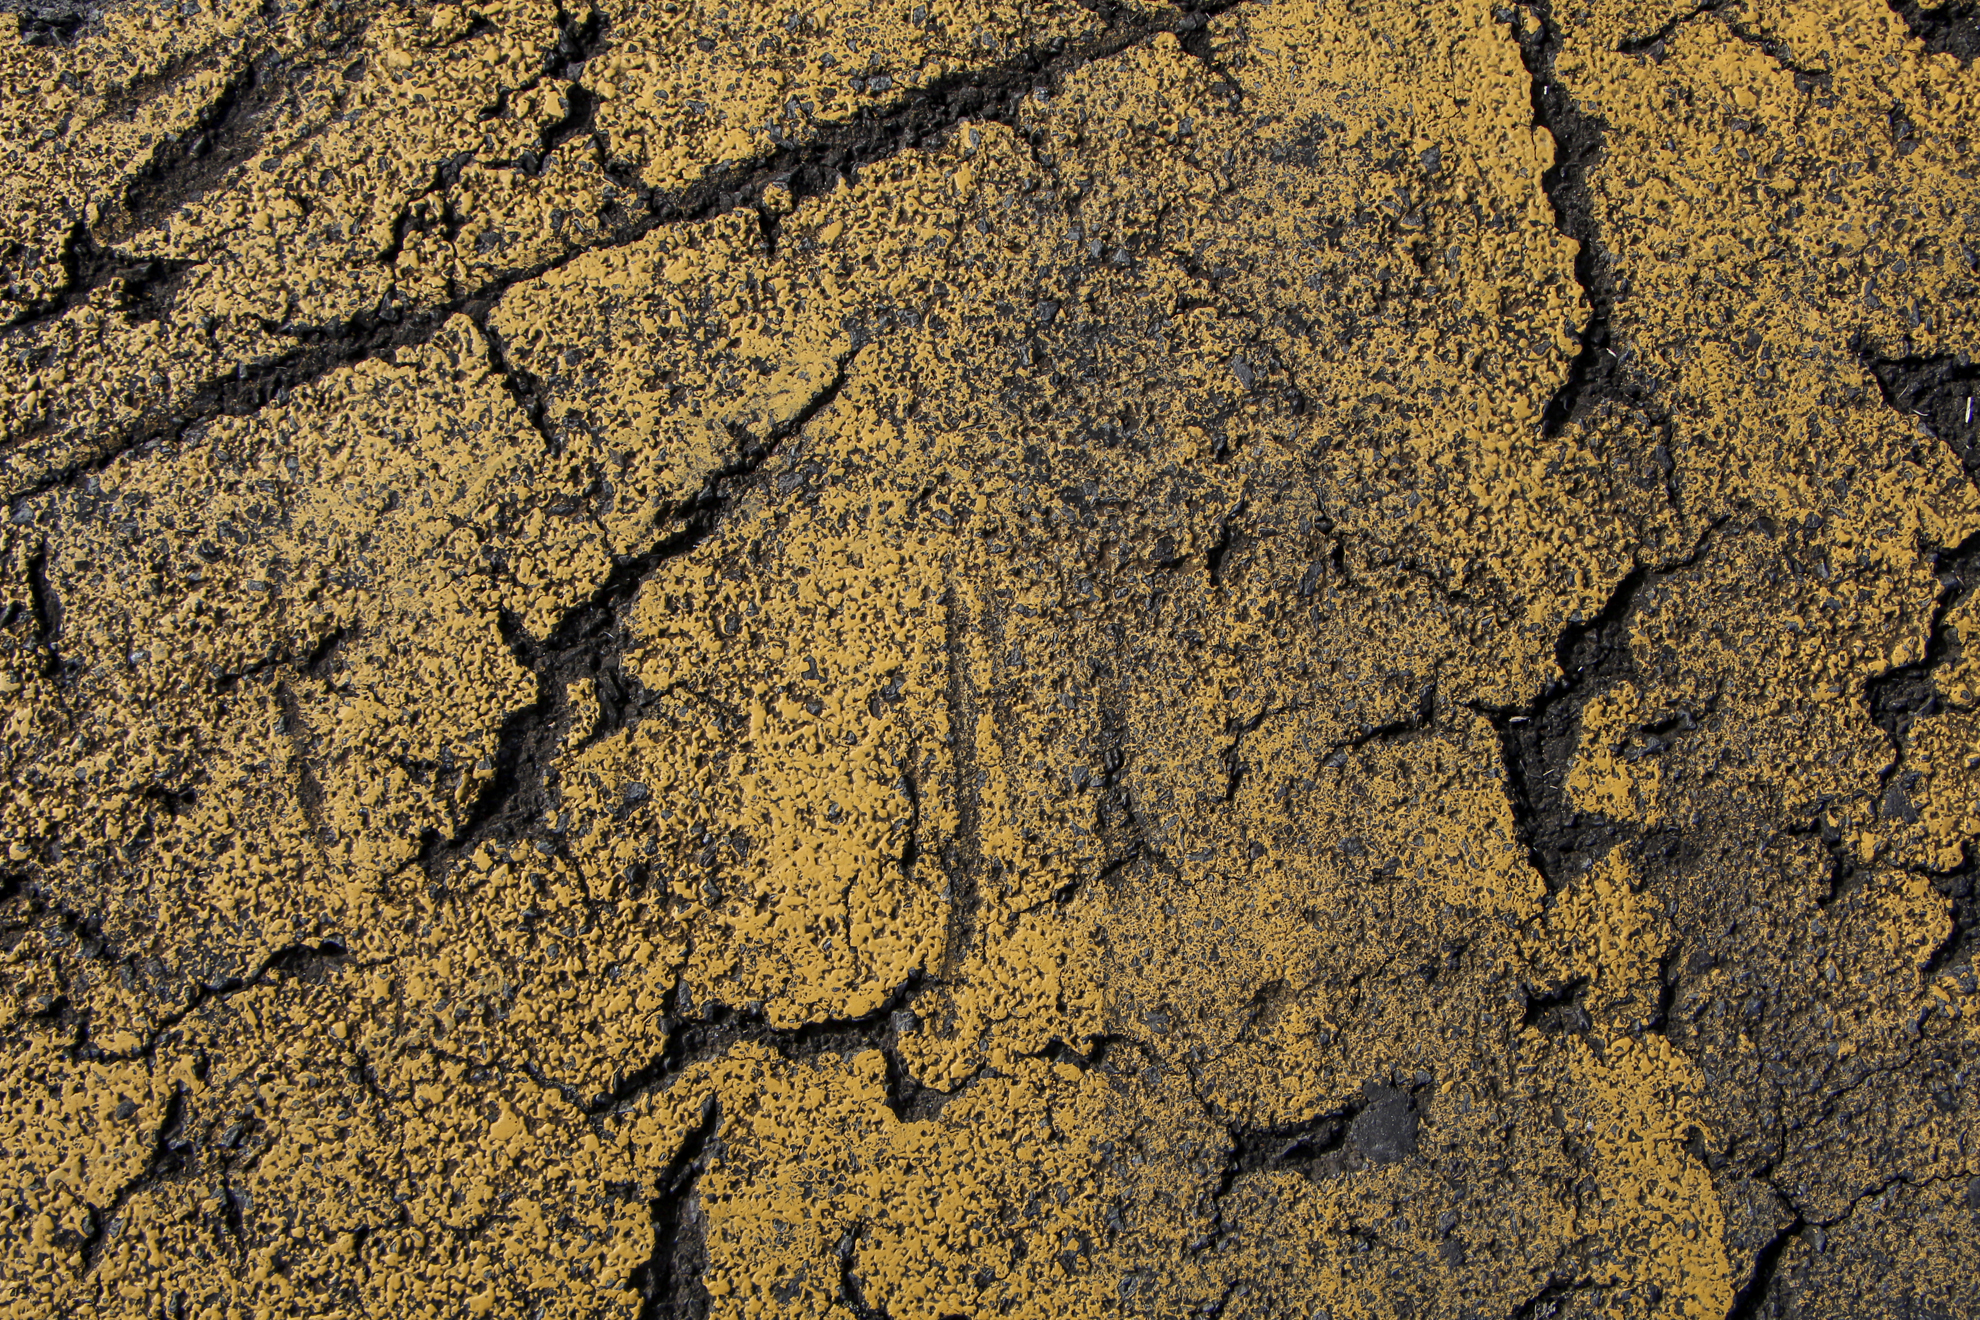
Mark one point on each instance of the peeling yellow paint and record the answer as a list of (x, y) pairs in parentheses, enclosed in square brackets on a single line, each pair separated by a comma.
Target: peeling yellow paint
[(1011, 659)]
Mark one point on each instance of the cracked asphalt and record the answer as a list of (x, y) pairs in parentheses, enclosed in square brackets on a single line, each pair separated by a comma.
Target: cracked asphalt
[(1285, 658)]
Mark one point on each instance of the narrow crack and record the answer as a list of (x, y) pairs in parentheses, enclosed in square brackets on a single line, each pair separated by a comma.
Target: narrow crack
[(316, 661), (578, 41), (1546, 1304), (1237, 729), (170, 1153), (808, 168), (173, 1151), (586, 644), (1754, 1293), (86, 932), (417, 216), (520, 384), (1807, 78), (1939, 391), (224, 136), (1421, 716), (1377, 1127), (962, 854), (291, 959), (852, 1293), (1761, 1284), (1652, 43), (46, 604), (694, 1038)]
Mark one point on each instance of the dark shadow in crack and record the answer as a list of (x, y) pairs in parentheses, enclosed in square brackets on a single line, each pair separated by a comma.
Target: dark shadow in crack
[(670, 1280), (51, 22), (1539, 740), (145, 287), (1942, 391), (1900, 697), (586, 644), (1558, 1010), (1378, 1127), (1961, 887), (818, 164), (697, 1037), (1595, 373), (1952, 29)]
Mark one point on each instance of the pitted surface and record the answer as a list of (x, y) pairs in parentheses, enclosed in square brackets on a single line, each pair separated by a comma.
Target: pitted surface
[(1275, 659)]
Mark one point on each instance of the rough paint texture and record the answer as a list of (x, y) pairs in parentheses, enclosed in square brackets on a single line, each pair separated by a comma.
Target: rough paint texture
[(1035, 659)]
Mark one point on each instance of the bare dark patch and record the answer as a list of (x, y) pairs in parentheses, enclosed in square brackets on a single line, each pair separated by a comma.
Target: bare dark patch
[(1952, 29), (1942, 392)]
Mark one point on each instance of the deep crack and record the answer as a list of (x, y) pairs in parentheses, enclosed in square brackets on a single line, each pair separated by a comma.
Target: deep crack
[(712, 1033), (1377, 1127), (145, 285), (1540, 739), (1595, 372), (670, 1281), (1942, 391)]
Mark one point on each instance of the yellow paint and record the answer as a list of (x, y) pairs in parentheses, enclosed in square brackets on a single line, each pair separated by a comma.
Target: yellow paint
[(1084, 567)]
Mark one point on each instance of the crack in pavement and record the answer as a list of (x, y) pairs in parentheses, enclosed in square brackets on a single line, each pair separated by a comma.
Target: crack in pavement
[(712, 1033), (145, 285), (1540, 739), (961, 854), (1759, 1288), (1654, 45), (1595, 373), (586, 643), (1537, 742), (522, 387), (808, 168), (1899, 697), (316, 661), (1376, 1128), (576, 44), (1961, 887), (87, 932), (669, 1281), (168, 1157), (46, 605), (171, 1150), (1941, 390), (852, 1294), (290, 958)]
